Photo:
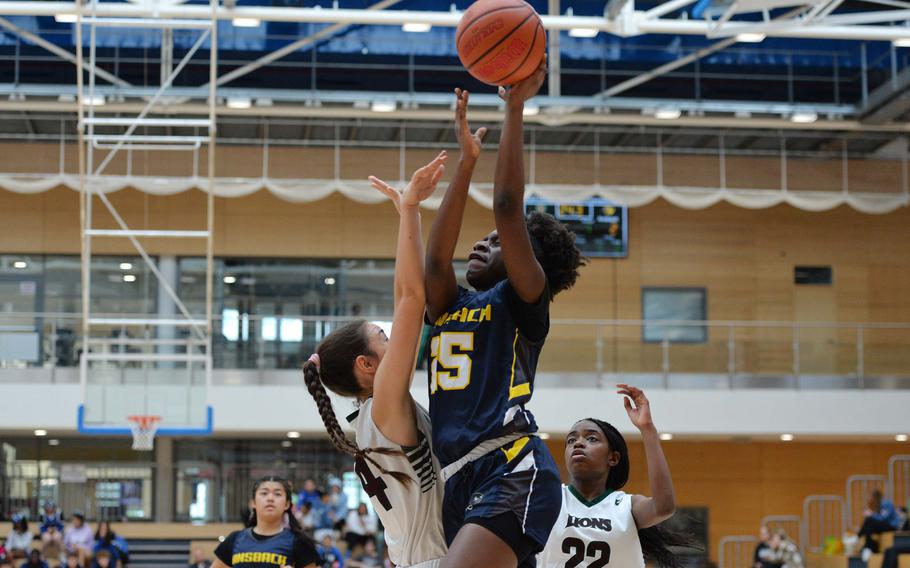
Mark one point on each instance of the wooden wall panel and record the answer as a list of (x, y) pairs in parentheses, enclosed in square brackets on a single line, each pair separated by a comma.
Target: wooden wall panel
[(744, 258)]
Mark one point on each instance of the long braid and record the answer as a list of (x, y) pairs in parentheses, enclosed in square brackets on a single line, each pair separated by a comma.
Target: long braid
[(312, 378)]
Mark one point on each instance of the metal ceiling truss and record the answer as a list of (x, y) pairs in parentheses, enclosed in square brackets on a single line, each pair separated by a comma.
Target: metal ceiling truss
[(812, 19), (818, 23)]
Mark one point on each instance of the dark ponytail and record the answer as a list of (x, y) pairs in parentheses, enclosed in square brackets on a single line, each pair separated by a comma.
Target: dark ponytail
[(334, 367), (656, 541), (293, 523)]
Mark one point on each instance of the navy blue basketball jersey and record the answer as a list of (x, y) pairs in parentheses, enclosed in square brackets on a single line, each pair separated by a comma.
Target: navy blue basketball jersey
[(482, 357), (248, 549)]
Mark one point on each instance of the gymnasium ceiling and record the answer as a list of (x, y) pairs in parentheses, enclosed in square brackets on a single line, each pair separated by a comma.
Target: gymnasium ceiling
[(829, 76)]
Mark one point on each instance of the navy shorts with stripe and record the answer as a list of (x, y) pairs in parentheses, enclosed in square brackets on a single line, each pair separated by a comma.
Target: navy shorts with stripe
[(527, 485)]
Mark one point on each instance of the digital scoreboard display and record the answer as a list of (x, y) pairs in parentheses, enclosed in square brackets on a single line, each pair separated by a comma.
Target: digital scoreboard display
[(600, 226)]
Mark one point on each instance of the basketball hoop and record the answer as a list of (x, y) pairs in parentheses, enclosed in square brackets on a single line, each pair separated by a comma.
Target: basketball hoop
[(143, 428)]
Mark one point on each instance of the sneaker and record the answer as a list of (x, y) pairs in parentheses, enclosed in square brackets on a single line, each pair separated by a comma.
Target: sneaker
[(866, 554)]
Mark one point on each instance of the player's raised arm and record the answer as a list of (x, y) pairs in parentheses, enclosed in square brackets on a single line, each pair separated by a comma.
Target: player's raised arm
[(526, 276), (660, 506), (393, 408), (441, 288)]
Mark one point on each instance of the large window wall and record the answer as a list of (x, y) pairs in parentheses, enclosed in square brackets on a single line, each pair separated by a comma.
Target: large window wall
[(269, 312)]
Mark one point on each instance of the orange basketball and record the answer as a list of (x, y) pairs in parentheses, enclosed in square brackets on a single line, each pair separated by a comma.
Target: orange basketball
[(500, 42)]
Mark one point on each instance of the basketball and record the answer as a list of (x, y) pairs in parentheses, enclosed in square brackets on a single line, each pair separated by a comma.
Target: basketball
[(500, 42)]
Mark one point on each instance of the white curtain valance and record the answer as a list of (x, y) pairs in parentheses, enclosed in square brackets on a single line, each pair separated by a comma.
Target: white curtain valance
[(307, 190)]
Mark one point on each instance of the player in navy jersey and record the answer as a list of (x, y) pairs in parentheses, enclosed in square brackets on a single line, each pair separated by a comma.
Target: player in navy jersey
[(267, 543), (502, 492)]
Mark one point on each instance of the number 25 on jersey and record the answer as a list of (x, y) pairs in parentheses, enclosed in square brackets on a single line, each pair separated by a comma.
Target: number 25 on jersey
[(450, 362)]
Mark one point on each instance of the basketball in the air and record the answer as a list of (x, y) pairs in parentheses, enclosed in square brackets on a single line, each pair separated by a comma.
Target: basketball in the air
[(500, 42)]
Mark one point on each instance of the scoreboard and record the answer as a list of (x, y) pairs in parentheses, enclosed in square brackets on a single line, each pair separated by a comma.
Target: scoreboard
[(600, 226)]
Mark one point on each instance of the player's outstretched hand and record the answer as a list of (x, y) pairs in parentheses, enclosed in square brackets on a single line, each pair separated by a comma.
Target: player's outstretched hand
[(470, 144), (421, 186), (640, 414), (526, 88)]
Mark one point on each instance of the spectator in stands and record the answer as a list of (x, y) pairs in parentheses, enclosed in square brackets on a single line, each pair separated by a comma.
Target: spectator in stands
[(19, 540), (103, 560), (306, 517), (107, 539), (339, 503), (72, 561), (785, 552), (52, 542), (309, 494), (360, 527), (881, 517), (764, 554), (34, 560), (6, 560), (369, 558), (323, 518), (199, 559), (51, 518), (78, 538), (331, 555)]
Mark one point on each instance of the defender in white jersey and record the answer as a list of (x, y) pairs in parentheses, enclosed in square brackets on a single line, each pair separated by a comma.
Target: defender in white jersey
[(392, 453), (599, 525), (410, 512)]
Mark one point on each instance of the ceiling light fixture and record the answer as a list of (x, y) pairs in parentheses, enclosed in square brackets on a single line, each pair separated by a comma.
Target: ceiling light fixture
[(239, 103), (20, 264), (902, 42), (293, 435), (667, 113), (40, 433), (230, 279), (126, 266), (900, 438), (583, 32), (129, 277), (65, 18), (384, 106), (786, 437), (666, 436), (246, 22), (750, 38), (416, 27), (804, 117)]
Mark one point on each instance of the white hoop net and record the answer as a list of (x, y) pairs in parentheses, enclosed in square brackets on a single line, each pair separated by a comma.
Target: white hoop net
[(144, 429)]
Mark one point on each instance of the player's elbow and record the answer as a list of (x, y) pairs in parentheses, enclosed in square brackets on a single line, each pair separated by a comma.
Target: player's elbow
[(666, 508), (505, 203)]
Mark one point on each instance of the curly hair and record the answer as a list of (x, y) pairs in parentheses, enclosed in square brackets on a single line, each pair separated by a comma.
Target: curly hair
[(555, 249)]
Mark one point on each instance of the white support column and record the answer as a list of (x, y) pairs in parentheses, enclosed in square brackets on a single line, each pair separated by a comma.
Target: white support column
[(167, 308), (553, 63)]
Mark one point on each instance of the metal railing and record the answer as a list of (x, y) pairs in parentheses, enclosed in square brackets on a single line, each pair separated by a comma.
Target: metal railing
[(859, 487), (823, 516), (790, 524), (736, 551), (899, 479), (767, 353)]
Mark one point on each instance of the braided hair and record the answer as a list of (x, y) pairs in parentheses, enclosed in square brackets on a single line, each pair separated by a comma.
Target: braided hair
[(293, 523), (657, 540), (335, 370)]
